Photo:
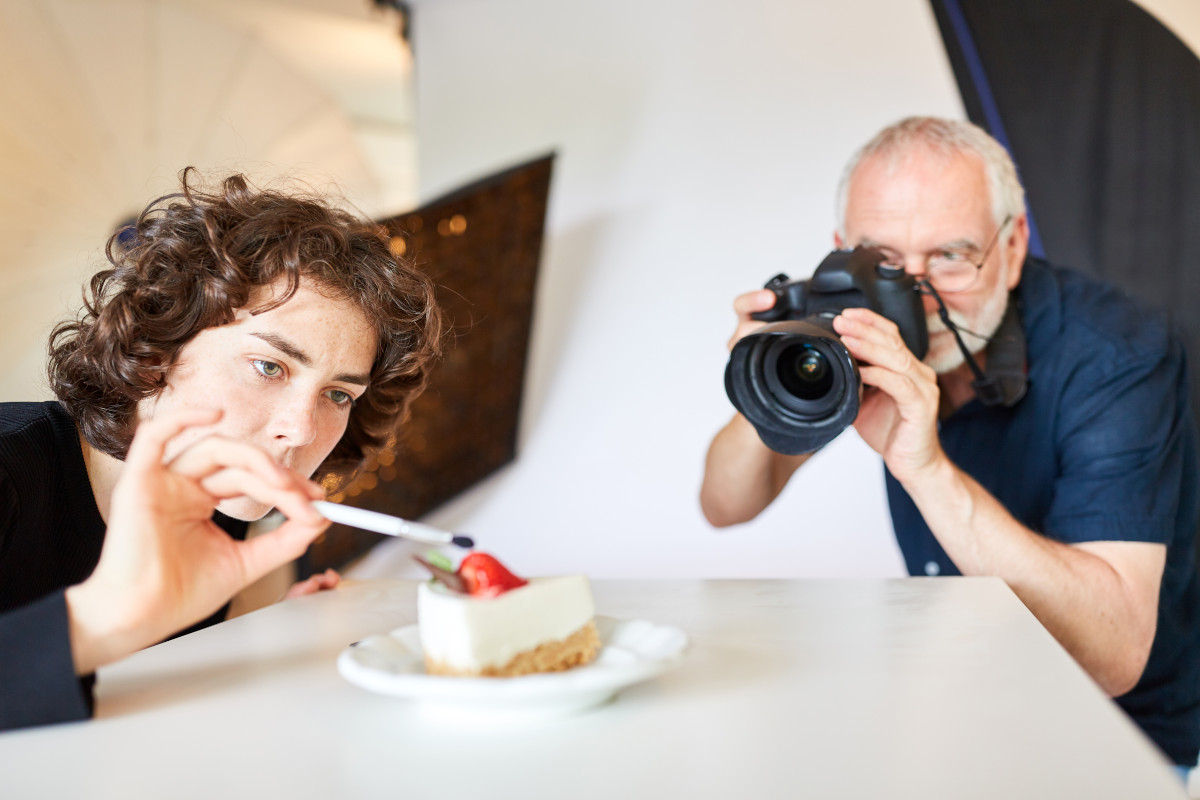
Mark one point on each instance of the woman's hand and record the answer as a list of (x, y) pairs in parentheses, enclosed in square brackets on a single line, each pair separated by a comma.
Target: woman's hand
[(321, 582), (165, 564)]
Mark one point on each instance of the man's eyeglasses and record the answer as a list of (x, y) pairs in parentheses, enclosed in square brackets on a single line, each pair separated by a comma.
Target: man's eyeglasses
[(952, 270)]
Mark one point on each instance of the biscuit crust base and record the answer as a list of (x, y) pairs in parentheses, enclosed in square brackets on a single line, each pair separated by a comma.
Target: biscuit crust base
[(576, 650)]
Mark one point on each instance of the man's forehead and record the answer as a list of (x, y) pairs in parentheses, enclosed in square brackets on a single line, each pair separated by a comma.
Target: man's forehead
[(918, 168), (931, 194)]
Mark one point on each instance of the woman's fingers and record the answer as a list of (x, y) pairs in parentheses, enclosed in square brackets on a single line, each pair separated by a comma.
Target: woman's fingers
[(324, 581), (269, 550), (293, 501), (329, 579), (149, 443), (215, 453)]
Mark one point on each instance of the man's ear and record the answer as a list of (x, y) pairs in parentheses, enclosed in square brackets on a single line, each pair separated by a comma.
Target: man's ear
[(1016, 247)]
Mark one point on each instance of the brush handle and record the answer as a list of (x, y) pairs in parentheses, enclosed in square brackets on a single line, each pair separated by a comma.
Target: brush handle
[(382, 523)]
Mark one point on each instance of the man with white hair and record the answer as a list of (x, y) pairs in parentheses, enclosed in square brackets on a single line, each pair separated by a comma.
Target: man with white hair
[(1077, 484)]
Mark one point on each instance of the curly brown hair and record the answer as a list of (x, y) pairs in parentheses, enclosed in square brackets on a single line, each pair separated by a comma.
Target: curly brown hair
[(192, 259)]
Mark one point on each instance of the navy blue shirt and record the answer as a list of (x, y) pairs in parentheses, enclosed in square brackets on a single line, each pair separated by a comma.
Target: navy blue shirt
[(1101, 447)]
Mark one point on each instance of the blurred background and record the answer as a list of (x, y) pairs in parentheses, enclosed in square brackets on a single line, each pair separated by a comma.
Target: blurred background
[(697, 148)]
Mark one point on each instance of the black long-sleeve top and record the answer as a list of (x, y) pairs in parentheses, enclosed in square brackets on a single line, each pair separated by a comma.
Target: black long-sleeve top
[(51, 534)]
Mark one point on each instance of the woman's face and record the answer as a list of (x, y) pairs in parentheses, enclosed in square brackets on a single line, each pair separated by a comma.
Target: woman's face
[(285, 380)]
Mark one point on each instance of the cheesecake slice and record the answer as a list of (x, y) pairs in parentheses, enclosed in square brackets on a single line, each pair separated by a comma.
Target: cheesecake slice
[(540, 625)]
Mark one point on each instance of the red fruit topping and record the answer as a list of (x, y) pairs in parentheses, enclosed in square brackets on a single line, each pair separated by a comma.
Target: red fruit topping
[(484, 576)]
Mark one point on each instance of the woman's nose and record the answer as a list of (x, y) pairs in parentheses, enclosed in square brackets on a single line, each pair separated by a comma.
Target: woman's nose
[(295, 422)]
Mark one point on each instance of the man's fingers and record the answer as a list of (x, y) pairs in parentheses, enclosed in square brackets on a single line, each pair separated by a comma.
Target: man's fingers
[(870, 327), (743, 330), (901, 388), (150, 441), (881, 354), (745, 305), (748, 303), (866, 316)]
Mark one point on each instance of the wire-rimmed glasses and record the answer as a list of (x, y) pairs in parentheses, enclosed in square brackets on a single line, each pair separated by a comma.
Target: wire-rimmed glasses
[(955, 270)]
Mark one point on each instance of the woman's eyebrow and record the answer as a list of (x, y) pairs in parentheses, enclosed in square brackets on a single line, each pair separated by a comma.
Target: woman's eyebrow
[(293, 351), (284, 346)]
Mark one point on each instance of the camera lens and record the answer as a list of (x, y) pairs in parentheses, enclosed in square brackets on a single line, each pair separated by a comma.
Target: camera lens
[(805, 372), (800, 374), (795, 382)]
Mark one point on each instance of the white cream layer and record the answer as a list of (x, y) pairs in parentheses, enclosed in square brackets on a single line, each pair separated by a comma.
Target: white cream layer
[(473, 633)]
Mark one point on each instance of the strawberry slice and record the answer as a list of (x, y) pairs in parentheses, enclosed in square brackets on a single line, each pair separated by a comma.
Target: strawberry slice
[(484, 576)]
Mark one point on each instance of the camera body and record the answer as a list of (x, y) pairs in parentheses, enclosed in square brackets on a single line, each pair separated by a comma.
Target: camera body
[(793, 379)]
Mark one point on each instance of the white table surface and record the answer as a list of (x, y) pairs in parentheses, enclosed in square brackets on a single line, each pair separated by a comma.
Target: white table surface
[(922, 688)]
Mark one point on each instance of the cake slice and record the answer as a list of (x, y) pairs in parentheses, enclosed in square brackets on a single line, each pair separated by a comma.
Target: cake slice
[(484, 621)]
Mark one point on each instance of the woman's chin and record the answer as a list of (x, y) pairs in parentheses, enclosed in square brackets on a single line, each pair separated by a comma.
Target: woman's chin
[(243, 508)]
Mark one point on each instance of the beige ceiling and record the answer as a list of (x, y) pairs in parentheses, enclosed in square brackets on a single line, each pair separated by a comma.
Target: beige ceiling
[(106, 100)]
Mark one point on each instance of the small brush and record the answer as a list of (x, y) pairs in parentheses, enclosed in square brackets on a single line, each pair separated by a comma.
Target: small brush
[(387, 524)]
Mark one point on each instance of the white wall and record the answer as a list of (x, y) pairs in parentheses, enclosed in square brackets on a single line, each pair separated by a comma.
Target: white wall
[(700, 143), (699, 146)]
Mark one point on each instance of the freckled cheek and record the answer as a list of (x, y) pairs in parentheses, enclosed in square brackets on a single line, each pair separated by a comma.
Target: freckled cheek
[(333, 427)]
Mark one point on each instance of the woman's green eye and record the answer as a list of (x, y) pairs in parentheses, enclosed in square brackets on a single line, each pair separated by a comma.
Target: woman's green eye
[(268, 368), (340, 397)]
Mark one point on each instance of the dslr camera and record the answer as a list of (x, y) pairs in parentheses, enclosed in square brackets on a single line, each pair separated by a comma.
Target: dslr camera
[(793, 378)]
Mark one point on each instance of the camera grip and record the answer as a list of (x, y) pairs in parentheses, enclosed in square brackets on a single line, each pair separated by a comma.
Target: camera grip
[(773, 314), (783, 305)]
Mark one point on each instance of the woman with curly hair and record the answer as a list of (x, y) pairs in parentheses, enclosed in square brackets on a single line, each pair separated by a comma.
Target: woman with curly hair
[(242, 347)]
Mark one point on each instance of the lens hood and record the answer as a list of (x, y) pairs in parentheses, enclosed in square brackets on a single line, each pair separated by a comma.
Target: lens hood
[(796, 383)]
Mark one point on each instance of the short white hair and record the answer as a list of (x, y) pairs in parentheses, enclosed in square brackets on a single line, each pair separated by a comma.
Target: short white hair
[(948, 137)]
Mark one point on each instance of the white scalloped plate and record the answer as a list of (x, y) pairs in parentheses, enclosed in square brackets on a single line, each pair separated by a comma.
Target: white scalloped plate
[(631, 651)]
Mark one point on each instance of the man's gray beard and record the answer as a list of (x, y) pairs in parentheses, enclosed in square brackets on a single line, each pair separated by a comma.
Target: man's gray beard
[(948, 357)]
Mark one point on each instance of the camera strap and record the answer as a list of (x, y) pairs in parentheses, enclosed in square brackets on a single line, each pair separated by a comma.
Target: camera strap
[(1005, 383)]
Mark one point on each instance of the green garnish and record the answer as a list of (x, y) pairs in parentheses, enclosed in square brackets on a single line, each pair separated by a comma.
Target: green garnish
[(439, 560)]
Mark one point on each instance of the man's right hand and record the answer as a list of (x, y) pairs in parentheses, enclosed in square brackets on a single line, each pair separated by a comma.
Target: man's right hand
[(744, 306), (742, 476)]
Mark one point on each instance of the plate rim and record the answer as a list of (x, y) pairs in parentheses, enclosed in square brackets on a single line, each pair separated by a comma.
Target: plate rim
[(594, 681)]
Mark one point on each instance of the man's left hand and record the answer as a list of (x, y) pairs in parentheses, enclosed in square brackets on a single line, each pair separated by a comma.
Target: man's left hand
[(899, 412)]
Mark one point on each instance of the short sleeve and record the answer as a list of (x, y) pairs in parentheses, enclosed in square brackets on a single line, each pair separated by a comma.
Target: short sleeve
[(1122, 442)]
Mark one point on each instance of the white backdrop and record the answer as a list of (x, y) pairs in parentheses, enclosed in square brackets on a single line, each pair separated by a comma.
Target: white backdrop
[(699, 147), (700, 144)]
